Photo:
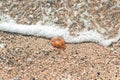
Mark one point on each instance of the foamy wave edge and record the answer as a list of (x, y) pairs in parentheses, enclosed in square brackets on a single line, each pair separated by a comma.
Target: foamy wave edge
[(48, 31)]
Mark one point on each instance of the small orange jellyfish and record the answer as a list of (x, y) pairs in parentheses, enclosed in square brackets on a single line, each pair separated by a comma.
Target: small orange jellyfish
[(58, 42)]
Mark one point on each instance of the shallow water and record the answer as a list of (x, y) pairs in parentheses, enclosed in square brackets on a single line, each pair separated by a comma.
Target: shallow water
[(76, 21)]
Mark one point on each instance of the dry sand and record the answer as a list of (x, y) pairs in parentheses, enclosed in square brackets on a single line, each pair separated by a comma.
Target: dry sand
[(33, 58)]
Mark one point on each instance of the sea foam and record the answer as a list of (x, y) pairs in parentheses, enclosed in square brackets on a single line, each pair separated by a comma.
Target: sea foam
[(48, 31)]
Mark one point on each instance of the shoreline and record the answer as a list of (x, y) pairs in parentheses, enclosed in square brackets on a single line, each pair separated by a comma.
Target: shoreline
[(24, 56)]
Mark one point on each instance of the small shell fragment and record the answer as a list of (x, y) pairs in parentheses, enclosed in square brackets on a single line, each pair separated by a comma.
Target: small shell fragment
[(58, 42)]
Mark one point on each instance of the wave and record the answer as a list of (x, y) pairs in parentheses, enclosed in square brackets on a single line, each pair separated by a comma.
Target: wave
[(48, 31)]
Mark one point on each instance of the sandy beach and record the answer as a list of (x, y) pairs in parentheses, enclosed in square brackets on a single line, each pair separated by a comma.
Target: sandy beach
[(34, 58)]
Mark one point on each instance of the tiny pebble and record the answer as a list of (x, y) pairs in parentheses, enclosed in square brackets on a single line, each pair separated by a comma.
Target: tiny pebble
[(33, 79), (49, 1), (16, 49), (15, 78), (2, 45), (0, 38), (0, 4), (29, 59), (112, 49)]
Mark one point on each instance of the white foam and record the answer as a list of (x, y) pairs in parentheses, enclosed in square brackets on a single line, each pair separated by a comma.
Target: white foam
[(53, 30)]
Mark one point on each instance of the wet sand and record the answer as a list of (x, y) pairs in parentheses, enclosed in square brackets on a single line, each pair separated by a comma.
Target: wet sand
[(33, 58)]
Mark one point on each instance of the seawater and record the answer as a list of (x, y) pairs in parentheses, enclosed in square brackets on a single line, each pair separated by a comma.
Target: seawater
[(48, 31), (75, 20)]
